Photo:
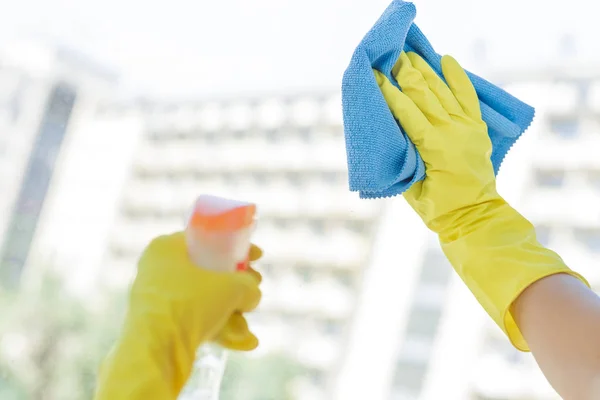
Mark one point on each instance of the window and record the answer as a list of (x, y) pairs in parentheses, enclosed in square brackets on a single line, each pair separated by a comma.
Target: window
[(231, 179), (436, 268), (331, 327), (173, 177), (305, 273), (267, 269), (423, 321), (273, 136), (549, 178), (543, 234), (344, 278), (260, 179), (332, 177), (317, 227), (210, 137), (281, 223), (133, 212), (410, 376), (357, 226), (498, 345), (593, 177), (416, 350), (239, 134), (566, 128), (305, 134), (296, 179), (402, 394), (590, 238), (316, 377)]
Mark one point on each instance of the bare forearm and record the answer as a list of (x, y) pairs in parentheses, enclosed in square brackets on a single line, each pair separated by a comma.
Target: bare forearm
[(559, 317), (542, 305)]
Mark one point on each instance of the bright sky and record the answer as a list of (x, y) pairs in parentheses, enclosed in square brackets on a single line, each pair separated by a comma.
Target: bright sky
[(225, 46)]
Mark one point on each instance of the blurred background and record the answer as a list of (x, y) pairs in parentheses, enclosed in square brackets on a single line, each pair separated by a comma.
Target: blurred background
[(115, 115)]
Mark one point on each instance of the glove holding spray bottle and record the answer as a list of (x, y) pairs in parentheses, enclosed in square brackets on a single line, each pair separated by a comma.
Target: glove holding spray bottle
[(176, 306), (218, 238)]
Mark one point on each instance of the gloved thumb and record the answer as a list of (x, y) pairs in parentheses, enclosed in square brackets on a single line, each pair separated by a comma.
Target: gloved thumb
[(236, 334), (245, 289)]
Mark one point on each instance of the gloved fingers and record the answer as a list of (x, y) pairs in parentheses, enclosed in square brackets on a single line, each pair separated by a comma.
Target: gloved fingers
[(436, 84), (172, 246), (248, 343), (255, 252), (412, 120), (249, 294), (166, 250), (413, 196), (413, 85), (236, 334), (255, 274), (462, 87)]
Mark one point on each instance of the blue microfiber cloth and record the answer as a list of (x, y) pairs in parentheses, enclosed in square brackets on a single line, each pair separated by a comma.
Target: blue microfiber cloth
[(382, 161)]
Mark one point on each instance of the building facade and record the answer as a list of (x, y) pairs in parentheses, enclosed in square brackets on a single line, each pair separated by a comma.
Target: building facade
[(355, 291), (42, 88)]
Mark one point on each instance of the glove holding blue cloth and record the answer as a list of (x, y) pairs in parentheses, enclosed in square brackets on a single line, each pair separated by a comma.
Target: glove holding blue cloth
[(382, 161), (491, 246)]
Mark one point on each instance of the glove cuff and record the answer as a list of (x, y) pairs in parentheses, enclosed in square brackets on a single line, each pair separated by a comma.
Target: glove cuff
[(495, 252)]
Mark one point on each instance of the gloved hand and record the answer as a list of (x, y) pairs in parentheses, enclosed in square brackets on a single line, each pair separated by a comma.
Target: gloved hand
[(174, 307), (491, 246)]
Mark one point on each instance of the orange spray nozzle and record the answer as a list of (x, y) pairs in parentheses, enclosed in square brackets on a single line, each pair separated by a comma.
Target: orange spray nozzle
[(218, 214)]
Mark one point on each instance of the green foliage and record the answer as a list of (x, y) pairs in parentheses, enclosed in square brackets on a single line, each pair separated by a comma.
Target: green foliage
[(51, 343), (264, 378)]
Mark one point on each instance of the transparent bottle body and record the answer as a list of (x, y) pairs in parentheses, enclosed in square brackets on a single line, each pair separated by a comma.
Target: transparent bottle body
[(205, 381), (218, 251)]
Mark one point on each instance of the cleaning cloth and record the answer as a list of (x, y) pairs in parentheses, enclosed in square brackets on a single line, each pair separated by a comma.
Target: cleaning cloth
[(382, 161)]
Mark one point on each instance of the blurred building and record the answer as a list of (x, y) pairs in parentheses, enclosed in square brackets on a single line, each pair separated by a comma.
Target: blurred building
[(21, 112), (356, 291), (39, 96)]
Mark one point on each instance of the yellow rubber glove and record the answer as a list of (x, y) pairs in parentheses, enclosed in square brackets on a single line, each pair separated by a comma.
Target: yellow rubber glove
[(492, 247), (174, 307)]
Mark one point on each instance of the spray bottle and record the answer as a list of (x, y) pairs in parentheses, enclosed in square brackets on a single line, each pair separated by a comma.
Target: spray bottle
[(218, 238)]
